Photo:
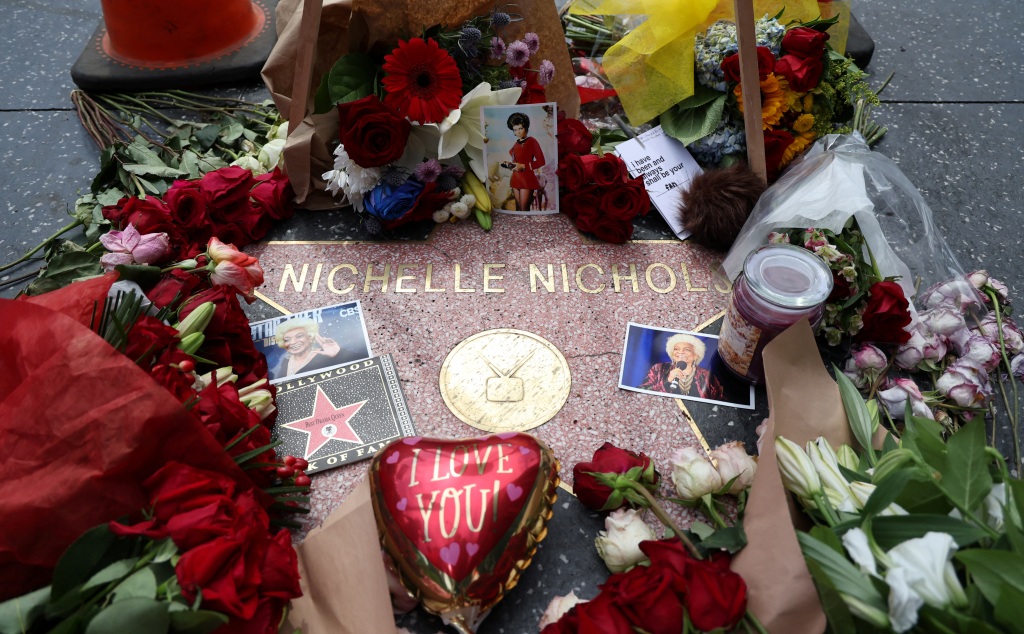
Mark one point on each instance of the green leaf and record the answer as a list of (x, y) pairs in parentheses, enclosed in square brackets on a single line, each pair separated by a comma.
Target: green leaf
[(141, 584), (887, 491), (1010, 609), (142, 274), (925, 437), (924, 497), (828, 536), (109, 196), (140, 152), (993, 570), (207, 135), (688, 122), (18, 614), (161, 171), (890, 530), (131, 615), (840, 620), (965, 475), (232, 132), (197, 622), (352, 77), (164, 551), (845, 577), (939, 620), (856, 412), (731, 538), (702, 530), (114, 571), (94, 550), (1016, 491), (190, 164)]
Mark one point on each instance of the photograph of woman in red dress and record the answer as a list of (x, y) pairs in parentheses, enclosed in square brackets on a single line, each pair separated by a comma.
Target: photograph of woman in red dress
[(527, 157), (519, 158)]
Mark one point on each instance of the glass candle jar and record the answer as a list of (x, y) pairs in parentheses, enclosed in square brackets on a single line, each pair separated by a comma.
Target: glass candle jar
[(780, 285)]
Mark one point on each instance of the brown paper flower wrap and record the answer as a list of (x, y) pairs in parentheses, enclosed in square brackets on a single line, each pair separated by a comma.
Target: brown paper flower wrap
[(349, 26)]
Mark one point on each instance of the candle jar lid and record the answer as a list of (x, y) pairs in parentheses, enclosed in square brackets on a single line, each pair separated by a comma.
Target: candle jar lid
[(788, 276)]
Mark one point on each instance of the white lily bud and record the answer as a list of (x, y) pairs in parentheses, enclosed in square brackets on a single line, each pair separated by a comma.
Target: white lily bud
[(619, 544), (259, 401), (825, 463), (223, 375), (861, 491), (197, 320), (798, 474), (848, 457)]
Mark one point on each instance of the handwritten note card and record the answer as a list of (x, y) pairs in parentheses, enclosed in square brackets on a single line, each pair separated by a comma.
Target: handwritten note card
[(667, 168)]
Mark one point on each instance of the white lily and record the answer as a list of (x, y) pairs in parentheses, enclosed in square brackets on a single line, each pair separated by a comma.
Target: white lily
[(462, 129), (827, 465), (925, 565), (857, 546)]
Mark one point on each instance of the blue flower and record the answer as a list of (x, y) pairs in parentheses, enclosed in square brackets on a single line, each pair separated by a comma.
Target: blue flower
[(391, 203)]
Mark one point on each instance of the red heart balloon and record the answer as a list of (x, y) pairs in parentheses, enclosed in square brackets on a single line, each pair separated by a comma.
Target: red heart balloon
[(462, 518)]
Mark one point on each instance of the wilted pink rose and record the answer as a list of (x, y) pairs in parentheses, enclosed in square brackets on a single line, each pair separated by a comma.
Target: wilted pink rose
[(1017, 366), (130, 246), (964, 383), (1012, 337), (944, 319), (959, 292), (979, 351), (981, 280), (866, 362), (898, 393), (910, 354)]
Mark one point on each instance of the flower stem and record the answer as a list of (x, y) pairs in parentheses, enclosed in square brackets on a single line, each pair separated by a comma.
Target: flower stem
[(42, 244), (1012, 412), (660, 513), (712, 512)]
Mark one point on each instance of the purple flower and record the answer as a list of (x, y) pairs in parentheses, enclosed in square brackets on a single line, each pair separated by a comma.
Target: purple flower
[(965, 384), (896, 396), (546, 72), (518, 54), (453, 170), (428, 171), (532, 41), (497, 47), (470, 36), (944, 319), (864, 365), (129, 246)]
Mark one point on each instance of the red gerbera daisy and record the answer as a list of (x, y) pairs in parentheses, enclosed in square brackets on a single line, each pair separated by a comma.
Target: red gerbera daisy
[(422, 81)]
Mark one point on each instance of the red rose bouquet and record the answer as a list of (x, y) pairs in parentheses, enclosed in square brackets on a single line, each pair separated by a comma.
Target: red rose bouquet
[(410, 145), (596, 190)]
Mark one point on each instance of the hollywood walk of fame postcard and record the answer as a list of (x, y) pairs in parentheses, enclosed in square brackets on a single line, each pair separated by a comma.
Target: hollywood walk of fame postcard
[(342, 414)]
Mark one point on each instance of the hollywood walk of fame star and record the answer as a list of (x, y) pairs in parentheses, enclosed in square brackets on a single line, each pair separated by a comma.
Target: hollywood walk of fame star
[(327, 423)]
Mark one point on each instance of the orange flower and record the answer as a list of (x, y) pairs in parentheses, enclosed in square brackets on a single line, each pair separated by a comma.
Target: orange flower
[(800, 143)]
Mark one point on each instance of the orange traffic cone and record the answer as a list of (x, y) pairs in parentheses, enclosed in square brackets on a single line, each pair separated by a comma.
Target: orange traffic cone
[(155, 44)]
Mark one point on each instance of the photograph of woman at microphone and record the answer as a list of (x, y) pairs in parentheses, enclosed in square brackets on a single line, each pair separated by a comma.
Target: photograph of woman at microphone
[(679, 364), (683, 374)]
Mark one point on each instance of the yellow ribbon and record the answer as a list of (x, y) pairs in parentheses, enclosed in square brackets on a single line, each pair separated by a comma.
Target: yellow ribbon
[(652, 67)]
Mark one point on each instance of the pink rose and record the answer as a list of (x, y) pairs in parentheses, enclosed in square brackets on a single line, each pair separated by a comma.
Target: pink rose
[(896, 396), (130, 246), (965, 384)]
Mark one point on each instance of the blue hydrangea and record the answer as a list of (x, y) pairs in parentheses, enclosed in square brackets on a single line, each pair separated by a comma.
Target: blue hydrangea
[(719, 41), (728, 138)]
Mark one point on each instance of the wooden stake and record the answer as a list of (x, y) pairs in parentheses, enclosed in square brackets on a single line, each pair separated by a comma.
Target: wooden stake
[(308, 29), (747, 41)]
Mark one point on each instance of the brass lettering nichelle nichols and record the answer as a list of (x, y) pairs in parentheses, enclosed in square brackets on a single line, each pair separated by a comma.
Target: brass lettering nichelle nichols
[(405, 277)]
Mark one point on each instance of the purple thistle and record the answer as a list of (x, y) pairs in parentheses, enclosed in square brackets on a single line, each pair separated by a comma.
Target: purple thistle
[(508, 83), (428, 171), (447, 182), (373, 226), (470, 35), (497, 48), (518, 54), (532, 42), (394, 176), (500, 19), (454, 170), (546, 72)]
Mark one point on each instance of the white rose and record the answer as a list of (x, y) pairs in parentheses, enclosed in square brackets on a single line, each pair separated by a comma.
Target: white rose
[(557, 609), (270, 155), (619, 544), (694, 475), (734, 462)]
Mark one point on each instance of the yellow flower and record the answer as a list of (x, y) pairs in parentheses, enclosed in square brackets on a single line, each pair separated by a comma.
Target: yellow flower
[(808, 102), (800, 143), (773, 100), (803, 123)]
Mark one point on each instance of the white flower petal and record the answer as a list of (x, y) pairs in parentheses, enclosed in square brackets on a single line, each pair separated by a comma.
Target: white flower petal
[(452, 142), (855, 541)]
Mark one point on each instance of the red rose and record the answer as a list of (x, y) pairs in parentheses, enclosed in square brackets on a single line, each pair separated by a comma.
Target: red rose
[(188, 207), (264, 621), (533, 92), (606, 170), (610, 459), (803, 74), (273, 195), (775, 144), (177, 488), (149, 215), (223, 414), (226, 187), (612, 230), (765, 65), (429, 201), (372, 135), (716, 597), (886, 315), (573, 138), (602, 616), (841, 289), (625, 202), (572, 175), (148, 338), (647, 597), (221, 517), (281, 569), (255, 224), (581, 204), (227, 572), (670, 553), (804, 41), (174, 283), (167, 372)]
